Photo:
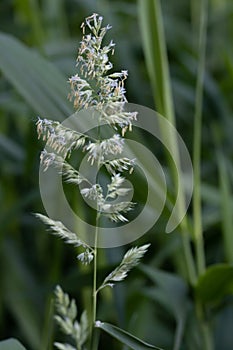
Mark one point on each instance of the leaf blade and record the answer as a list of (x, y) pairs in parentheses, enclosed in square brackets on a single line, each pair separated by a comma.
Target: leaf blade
[(36, 79), (215, 283), (125, 337), (11, 344)]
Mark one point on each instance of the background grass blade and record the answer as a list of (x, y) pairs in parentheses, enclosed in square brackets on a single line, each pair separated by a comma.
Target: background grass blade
[(125, 337), (215, 283), (39, 41), (156, 55), (11, 344), (197, 140), (171, 292), (38, 81), (226, 208), (21, 300), (152, 29)]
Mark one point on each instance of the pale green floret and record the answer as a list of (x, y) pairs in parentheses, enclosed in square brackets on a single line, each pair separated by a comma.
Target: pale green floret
[(131, 259), (66, 319)]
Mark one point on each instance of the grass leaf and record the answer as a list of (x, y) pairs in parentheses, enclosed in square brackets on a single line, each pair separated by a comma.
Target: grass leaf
[(215, 283), (155, 51), (37, 80), (124, 337), (11, 344), (226, 207)]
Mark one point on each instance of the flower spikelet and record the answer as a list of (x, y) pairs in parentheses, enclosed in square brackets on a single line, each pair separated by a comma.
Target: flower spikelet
[(131, 259), (61, 139), (66, 319), (57, 228)]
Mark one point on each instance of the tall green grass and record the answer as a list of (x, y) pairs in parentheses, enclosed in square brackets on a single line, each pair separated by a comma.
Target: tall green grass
[(33, 83)]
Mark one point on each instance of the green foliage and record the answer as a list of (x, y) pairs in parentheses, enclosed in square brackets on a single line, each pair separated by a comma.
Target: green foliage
[(38, 81), (171, 292), (215, 284), (11, 344), (154, 42), (38, 41), (226, 205), (124, 337)]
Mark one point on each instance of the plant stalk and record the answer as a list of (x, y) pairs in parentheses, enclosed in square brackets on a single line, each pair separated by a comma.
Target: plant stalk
[(197, 207), (154, 41), (93, 340), (188, 252), (205, 329), (94, 295), (197, 217)]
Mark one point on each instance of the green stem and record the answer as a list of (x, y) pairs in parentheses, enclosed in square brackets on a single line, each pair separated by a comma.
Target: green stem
[(207, 339), (197, 218), (205, 329), (197, 209), (94, 303), (188, 252), (36, 22), (93, 341), (155, 51)]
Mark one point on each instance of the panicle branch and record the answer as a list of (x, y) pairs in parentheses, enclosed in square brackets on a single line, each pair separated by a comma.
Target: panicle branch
[(58, 229), (61, 139)]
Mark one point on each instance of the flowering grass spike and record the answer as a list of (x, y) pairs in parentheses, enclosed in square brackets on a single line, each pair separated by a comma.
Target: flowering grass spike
[(101, 92)]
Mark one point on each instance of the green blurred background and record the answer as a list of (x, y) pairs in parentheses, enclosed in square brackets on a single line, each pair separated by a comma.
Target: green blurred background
[(38, 48)]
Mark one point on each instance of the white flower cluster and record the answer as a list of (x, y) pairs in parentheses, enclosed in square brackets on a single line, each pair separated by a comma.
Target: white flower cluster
[(105, 206), (98, 150), (92, 56), (94, 87), (61, 139)]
